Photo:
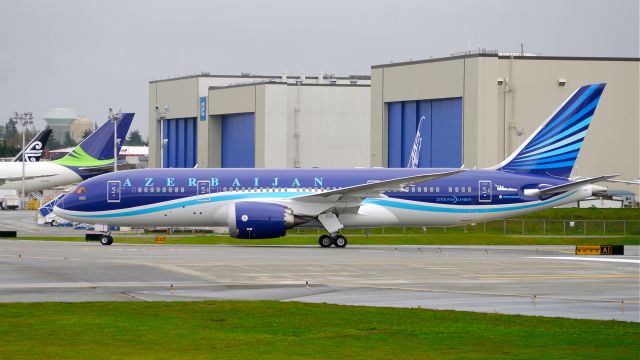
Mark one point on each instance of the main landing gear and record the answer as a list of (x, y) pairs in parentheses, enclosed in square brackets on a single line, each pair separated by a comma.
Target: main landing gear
[(106, 239), (336, 240)]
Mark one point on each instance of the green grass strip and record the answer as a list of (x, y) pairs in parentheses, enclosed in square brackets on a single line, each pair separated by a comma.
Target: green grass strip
[(276, 330)]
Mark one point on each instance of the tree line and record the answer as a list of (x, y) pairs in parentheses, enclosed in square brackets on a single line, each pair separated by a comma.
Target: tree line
[(11, 139)]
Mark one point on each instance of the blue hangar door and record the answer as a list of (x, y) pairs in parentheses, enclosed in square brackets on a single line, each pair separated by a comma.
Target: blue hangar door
[(441, 132), (180, 139), (238, 140)]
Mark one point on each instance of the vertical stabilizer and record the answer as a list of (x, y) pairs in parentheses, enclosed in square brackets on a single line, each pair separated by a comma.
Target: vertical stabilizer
[(97, 148), (34, 150), (553, 148)]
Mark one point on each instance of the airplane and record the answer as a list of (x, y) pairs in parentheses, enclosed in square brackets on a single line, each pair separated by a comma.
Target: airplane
[(93, 156), (265, 203), (34, 148)]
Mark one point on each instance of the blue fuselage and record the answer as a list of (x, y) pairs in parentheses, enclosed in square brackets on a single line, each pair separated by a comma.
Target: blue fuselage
[(156, 197)]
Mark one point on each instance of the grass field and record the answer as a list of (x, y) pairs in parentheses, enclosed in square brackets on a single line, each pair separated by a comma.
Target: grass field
[(276, 330)]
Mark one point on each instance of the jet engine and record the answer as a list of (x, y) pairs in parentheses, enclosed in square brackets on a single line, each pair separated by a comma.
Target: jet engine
[(258, 220)]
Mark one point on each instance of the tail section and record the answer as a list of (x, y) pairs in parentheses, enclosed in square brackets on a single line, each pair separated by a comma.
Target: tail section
[(415, 150), (33, 151), (97, 149), (553, 148)]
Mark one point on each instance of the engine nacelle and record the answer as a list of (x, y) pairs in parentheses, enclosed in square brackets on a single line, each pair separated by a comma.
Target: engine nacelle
[(258, 220)]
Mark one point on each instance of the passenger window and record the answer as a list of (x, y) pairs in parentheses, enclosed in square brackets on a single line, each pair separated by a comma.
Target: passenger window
[(450, 189), (419, 189), (469, 189), (431, 189), (437, 188)]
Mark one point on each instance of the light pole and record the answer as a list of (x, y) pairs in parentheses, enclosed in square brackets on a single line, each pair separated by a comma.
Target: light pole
[(161, 115), (114, 118), (23, 119)]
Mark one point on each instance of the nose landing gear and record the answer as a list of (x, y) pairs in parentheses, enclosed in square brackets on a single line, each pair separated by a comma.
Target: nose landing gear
[(336, 240)]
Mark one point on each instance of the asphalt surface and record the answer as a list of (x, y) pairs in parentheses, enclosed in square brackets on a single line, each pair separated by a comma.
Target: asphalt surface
[(543, 280)]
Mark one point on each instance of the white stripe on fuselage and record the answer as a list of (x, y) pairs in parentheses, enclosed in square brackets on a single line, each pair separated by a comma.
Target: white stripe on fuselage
[(51, 175)]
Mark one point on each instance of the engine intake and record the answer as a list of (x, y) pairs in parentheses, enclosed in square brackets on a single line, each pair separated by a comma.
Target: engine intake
[(258, 220)]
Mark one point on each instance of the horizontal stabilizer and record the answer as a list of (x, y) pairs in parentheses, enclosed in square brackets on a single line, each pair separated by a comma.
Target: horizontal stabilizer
[(630, 182), (566, 187)]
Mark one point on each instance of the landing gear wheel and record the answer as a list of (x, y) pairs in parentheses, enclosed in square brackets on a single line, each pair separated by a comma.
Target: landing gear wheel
[(340, 241), (325, 241), (106, 240)]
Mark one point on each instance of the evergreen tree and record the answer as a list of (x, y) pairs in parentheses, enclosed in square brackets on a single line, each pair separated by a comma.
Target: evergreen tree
[(68, 141), (86, 133), (135, 139), (53, 143), (11, 133)]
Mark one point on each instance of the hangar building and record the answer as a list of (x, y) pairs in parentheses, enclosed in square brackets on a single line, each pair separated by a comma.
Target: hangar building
[(479, 107), (260, 121)]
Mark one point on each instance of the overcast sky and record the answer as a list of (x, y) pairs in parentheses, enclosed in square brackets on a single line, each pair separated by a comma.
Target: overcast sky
[(89, 55)]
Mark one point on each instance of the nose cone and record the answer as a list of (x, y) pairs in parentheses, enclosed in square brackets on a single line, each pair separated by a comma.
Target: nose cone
[(58, 209)]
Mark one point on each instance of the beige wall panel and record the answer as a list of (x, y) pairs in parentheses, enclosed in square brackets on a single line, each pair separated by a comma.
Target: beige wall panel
[(260, 147), (180, 95), (274, 133), (471, 148), (232, 100), (154, 129), (423, 81), (334, 125), (488, 140), (612, 144), (378, 120)]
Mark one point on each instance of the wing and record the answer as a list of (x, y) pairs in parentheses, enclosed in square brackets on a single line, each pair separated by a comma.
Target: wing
[(373, 188), (322, 205)]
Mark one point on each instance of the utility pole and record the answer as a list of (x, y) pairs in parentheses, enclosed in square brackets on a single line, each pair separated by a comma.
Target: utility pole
[(114, 118), (23, 119)]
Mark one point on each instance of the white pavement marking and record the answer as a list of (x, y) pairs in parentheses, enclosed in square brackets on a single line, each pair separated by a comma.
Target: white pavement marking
[(634, 261)]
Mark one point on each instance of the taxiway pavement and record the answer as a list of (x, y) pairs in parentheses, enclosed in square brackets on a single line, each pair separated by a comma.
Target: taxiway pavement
[(542, 280)]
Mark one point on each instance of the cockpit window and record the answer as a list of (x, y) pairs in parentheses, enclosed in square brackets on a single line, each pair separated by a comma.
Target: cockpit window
[(80, 190)]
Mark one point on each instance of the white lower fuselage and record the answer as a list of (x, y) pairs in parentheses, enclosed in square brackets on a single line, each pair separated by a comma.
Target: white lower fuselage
[(39, 176)]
